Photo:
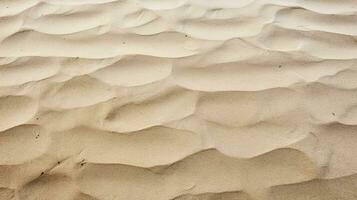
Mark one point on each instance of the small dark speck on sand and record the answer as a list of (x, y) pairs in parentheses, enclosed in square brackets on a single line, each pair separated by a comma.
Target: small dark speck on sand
[(333, 114), (42, 173), (280, 66), (82, 162)]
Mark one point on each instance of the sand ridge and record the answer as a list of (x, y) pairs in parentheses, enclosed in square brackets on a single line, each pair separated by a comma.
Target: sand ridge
[(178, 100)]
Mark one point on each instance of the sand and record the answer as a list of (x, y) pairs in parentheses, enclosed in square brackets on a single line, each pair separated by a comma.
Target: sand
[(178, 100)]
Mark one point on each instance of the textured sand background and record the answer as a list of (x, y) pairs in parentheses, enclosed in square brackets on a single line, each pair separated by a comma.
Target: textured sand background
[(178, 99)]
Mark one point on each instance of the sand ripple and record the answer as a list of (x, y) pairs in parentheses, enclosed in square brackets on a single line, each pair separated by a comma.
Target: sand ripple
[(178, 100)]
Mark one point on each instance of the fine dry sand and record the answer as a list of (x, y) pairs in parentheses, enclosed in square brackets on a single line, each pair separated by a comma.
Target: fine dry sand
[(178, 100)]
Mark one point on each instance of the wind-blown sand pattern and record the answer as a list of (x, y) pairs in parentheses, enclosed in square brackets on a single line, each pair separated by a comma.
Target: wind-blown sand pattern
[(178, 100)]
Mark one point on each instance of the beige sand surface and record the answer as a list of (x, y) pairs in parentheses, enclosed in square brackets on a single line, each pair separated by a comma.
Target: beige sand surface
[(178, 100)]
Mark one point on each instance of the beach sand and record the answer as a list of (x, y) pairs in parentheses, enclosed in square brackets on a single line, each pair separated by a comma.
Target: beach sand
[(178, 100)]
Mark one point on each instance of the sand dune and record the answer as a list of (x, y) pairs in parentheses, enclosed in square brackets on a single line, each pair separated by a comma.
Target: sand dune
[(178, 100)]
